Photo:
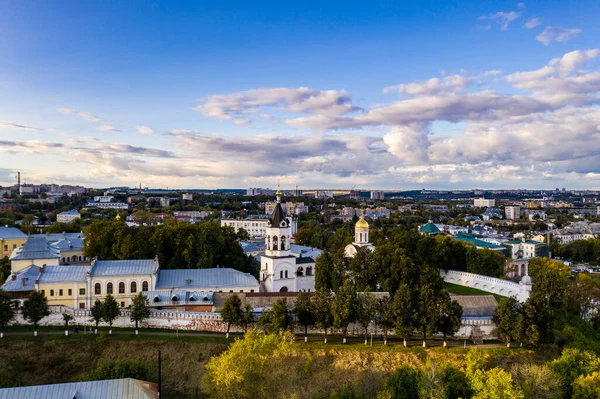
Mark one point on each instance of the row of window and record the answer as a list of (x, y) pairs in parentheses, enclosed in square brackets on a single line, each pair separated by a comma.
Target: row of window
[(109, 288), (69, 292), (6, 247), (273, 244)]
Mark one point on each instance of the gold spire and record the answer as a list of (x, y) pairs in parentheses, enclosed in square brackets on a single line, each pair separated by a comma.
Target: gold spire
[(278, 193)]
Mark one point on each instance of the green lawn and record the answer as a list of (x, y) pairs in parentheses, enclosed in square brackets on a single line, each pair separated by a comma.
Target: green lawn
[(461, 290)]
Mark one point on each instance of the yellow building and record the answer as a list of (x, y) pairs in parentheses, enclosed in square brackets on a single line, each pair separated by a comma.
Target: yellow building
[(11, 238), (35, 251)]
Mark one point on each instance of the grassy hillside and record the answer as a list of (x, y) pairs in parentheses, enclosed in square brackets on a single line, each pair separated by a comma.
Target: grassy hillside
[(317, 369)]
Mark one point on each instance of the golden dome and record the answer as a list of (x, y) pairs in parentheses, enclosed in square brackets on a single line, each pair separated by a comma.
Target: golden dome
[(362, 224), (118, 217)]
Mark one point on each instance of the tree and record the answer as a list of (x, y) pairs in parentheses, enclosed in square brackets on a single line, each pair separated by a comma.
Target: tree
[(344, 307), (494, 384), (35, 308), (231, 312), (587, 386), (551, 281), (7, 312), (404, 383), (67, 318), (449, 319), (304, 311), (402, 311), (124, 368), (507, 318), (247, 317), (110, 310), (426, 312), (96, 312), (281, 319), (139, 310), (367, 307), (323, 303), (385, 316)]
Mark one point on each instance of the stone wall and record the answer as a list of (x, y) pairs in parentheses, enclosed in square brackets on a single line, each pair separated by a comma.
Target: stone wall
[(498, 286)]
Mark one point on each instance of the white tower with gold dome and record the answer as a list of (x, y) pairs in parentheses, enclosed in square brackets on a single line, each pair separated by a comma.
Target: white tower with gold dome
[(361, 239)]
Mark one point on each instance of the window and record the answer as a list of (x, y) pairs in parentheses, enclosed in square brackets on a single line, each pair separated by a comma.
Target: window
[(283, 243), (51, 292), (60, 292), (133, 287), (241, 290), (44, 292), (122, 304), (145, 286), (97, 289), (70, 292), (14, 246), (109, 288), (81, 305), (251, 290), (6, 247), (274, 243), (281, 274), (82, 291), (121, 287), (286, 275)]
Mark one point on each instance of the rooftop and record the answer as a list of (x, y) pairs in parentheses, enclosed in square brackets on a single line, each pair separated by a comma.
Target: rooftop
[(64, 274), (203, 279), (429, 228), (35, 248), (70, 212), (124, 267), (124, 388), (30, 274), (9, 233)]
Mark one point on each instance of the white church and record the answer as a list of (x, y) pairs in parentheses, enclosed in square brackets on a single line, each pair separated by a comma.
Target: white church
[(281, 271), (361, 239)]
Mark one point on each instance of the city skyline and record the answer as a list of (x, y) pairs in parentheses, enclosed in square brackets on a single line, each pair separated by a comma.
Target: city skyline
[(381, 96)]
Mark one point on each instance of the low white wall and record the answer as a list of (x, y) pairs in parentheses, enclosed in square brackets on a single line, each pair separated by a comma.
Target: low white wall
[(488, 284)]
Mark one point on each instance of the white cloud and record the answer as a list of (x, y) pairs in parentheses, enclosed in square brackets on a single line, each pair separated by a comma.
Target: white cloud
[(84, 115), (502, 18), (12, 125), (532, 23), (145, 130), (107, 128), (556, 34)]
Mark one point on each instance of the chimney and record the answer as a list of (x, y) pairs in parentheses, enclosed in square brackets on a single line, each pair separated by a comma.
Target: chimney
[(13, 276)]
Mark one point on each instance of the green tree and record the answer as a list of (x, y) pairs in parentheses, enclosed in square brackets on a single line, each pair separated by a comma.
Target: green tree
[(247, 317), (570, 365), (7, 312), (281, 319), (124, 368), (139, 310), (110, 310), (323, 303), (450, 316), (365, 312), (426, 313), (67, 318), (455, 384), (551, 281), (35, 308), (304, 311), (96, 312), (494, 384), (385, 316), (404, 383), (344, 307), (403, 310), (507, 319), (231, 312), (587, 386)]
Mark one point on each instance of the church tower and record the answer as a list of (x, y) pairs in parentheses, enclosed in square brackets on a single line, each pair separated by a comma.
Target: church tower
[(278, 265), (361, 239)]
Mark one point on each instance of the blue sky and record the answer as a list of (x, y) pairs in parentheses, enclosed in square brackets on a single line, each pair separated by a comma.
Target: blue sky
[(395, 95)]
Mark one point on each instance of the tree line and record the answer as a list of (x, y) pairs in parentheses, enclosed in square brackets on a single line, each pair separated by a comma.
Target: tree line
[(424, 311), (178, 245)]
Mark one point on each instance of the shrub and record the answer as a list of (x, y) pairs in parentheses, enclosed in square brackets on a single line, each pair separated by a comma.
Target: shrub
[(455, 383), (404, 383), (494, 384), (572, 364), (587, 387), (124, 368), (537, 381)]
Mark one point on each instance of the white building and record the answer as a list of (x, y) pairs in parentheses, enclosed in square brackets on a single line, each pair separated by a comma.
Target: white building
[(484, 203), (361, 239), (256, 227), (187, 197), (103, 198), (258, 191), (165, 201), (290, 208), (377, 195), (323, 194), (512, 212), (107, 205), (192, 214), (281, 271), (68, 216)]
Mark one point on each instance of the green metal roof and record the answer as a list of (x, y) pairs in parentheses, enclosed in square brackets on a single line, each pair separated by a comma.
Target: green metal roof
[(429, 228)]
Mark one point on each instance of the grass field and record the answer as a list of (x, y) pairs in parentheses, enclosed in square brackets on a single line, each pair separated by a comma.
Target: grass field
[(461, 290)]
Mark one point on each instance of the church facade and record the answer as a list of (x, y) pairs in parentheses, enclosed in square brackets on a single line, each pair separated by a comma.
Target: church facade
[(361, 239), (281, 271)]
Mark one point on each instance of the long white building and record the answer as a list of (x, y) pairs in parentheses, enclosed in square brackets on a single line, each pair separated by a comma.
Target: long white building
[(257, 227)]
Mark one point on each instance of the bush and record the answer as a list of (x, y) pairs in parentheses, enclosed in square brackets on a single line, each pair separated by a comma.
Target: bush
[(404, 383), (537, 381), (587, 387), (572, 364), (120, 369), (494, 384), (454, 382)]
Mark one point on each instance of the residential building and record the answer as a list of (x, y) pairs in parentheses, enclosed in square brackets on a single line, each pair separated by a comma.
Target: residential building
[(512, 212), (527, 249), (103, 198), (192, 214), (7, 206), (377, 195), (35, 251), (484, 203), (257, 227), (107, 205), (10, 239), (486, 216), (68, 216), (252, 191), (165, 201), (187, 197), (323, 194), (532, 214)]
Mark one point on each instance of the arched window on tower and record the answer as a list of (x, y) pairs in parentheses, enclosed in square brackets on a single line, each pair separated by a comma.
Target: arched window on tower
[(286, 275), (268, 242), (300, 271), (283, 243), (281, 274), (274, 243)]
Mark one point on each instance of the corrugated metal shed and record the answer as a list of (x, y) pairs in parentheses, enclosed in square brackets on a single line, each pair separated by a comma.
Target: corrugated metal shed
[(35, 248), (64, 274), (125, 388), (203, 279), (123, 267)]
